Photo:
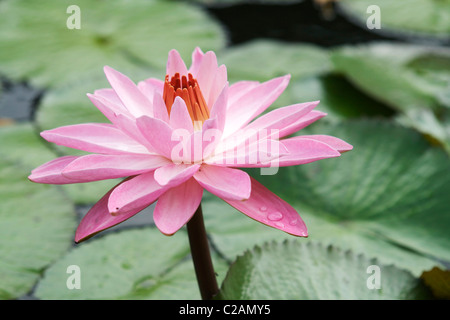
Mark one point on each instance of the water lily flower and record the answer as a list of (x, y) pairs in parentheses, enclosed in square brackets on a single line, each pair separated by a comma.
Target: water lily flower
[(171, 139)]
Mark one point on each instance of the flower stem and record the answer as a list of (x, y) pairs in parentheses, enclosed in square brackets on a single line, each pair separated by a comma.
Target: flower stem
[(201, 256)]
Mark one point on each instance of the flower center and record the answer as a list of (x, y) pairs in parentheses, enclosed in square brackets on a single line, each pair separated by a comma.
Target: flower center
[(189, 90)]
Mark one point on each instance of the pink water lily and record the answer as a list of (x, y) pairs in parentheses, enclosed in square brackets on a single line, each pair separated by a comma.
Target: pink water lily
[(172, 139)]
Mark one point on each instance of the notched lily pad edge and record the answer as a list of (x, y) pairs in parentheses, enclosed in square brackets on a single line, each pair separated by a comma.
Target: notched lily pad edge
[(258, 249)]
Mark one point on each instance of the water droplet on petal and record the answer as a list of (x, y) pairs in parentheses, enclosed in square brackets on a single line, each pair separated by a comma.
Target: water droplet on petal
[(279, 224), (275, 216), (293, 222), (263, 208)]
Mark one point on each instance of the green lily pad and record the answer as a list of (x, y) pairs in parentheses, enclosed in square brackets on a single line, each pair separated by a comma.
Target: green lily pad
[(131, 264), (387, 198), (19, 141), (262, 60), (298, 271), (417, 17), (329, 89), (125, 35), (435, 127), (32, 236), (404, 77)]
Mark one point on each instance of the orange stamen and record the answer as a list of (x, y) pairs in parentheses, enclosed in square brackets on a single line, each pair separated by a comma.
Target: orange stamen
[(189, 90)]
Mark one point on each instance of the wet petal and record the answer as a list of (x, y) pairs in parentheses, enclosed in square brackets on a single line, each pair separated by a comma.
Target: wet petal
[(266, 207)]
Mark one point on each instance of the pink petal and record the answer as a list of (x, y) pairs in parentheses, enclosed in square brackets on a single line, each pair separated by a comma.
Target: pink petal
[(333, 142), (179, 116), (159, 134), (282, 117), (95, 167), (50, 172), (111, 97), (177, 206), (175, 64), (174, 174), (128, 125), (226, 183), (219, 81), (219, 108), (133, 99), (108, 108), (150, 87), (94, 137), (267, 208), (302, 151), (121, 119), (211, 134), (197, 57), (258, 154), (301, 123), (267, 126), (98, 219), (134, 194), (207, 71), (159, 108), (238, 89), (254, 102)]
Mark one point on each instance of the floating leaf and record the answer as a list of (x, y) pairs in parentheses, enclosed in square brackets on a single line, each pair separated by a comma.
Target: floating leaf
[(20, 141), (402, 76), (262, 60), (299, 271), (329, 89), (437, 129), (131, 264), (417, 17), (31, 235), (36, 42)]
